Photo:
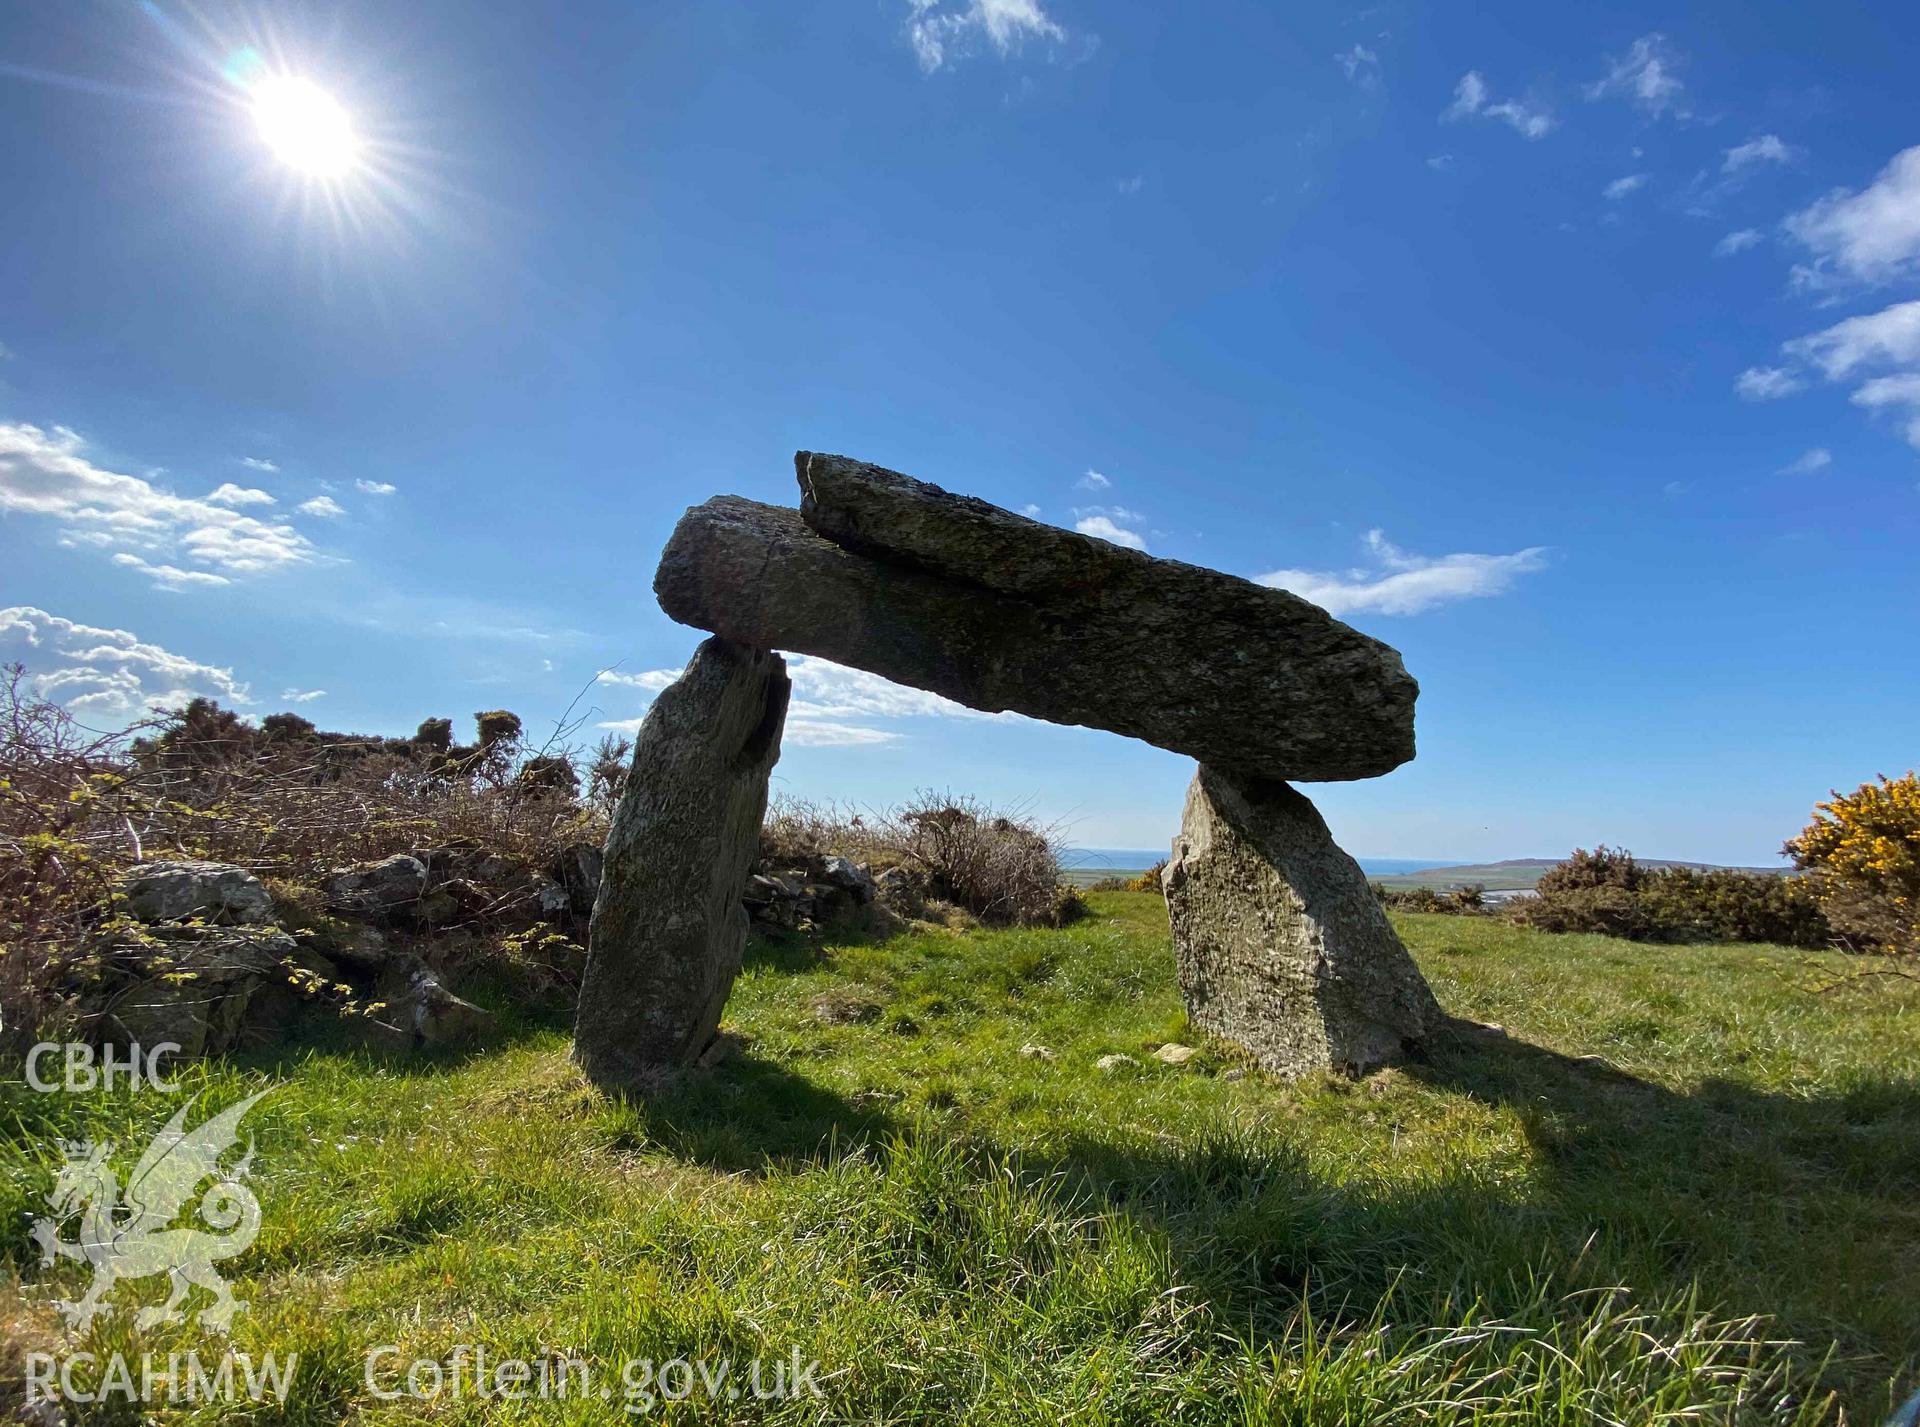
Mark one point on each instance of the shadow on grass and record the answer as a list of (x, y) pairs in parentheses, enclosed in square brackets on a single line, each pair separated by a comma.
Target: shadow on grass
[(753, 1116), (1737, 1200)]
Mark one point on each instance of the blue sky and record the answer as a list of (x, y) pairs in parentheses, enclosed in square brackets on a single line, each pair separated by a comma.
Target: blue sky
[(1575, 351)]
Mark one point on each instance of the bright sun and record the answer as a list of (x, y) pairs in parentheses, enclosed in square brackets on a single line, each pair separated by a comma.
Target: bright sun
[(304, 126)]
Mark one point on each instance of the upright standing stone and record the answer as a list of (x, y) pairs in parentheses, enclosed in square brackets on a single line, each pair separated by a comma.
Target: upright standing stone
[(668, 927), (1280, 944)]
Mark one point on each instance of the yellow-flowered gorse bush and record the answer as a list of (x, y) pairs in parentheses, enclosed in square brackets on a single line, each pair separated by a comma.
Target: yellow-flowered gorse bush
[(1862, 853)]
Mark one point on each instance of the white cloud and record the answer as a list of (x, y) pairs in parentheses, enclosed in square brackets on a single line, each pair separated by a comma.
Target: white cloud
[(1646, 75), (92, 670), (1888, 337), (824, 689), (1888, 340), (1872, 236), (43, 472), (826, 698), (1361, 65), (302, 696), (1527, 121), (1030, 510), (324, 506), (1103, 528), (1470, 101), (653, 680), (169, 577), (227, 493), (805, 733), (1469, 96), (1737, 242), (1818, 459), (1621, 187), (942, 34), (256, 463), (1900, 392), (1440, 163), (1400, 583), (375, 487), (1766, 383), (1767, 149), (1092, 481)]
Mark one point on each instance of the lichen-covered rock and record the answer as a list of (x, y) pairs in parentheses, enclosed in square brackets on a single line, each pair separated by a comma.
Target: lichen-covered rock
[(579, 868), (848, 876), (175, 891), (950, 594), (668, 927), (192, 986), (1280, 944), (378, 891), (417, 1010)]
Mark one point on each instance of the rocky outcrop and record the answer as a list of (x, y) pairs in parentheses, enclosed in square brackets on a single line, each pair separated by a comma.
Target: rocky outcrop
[(182, 890), (1280, 944), (188, 978), (668, 927), (950, 594)]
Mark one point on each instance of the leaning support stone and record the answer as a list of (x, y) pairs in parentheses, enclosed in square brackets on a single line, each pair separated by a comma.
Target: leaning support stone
[(996, 611), (1280, 944), (668, 927)]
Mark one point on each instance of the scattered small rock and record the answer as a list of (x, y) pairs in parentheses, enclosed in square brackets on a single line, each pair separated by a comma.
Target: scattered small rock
[(1111, 1063), (1235, 1074), (1034, 1051), (1173, 1053)]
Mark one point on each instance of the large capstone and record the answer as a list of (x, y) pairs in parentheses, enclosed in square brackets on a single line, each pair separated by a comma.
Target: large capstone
[(1280, 944), (953, 595), (668, 927)]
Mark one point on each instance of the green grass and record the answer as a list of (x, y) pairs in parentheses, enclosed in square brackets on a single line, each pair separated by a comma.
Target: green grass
[(1715, 1220)]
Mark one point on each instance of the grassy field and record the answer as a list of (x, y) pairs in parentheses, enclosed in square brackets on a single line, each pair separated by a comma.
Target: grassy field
[(1681, 1188)]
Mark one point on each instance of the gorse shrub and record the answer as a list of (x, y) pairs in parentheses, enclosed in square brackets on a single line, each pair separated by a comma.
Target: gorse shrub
[(1724, 905), (1587, 871), (1001, 866), (1861, 853), (1607, 891), (1466, 901)]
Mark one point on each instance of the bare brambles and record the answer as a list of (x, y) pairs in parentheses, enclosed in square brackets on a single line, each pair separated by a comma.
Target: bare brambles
[(282, 799), (1000, 866)]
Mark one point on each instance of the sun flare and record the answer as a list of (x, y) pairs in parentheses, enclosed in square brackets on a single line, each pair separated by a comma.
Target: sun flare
[(305, 126)]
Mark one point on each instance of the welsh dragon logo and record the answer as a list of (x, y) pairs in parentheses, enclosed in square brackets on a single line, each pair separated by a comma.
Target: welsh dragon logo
[(138, 1239)]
